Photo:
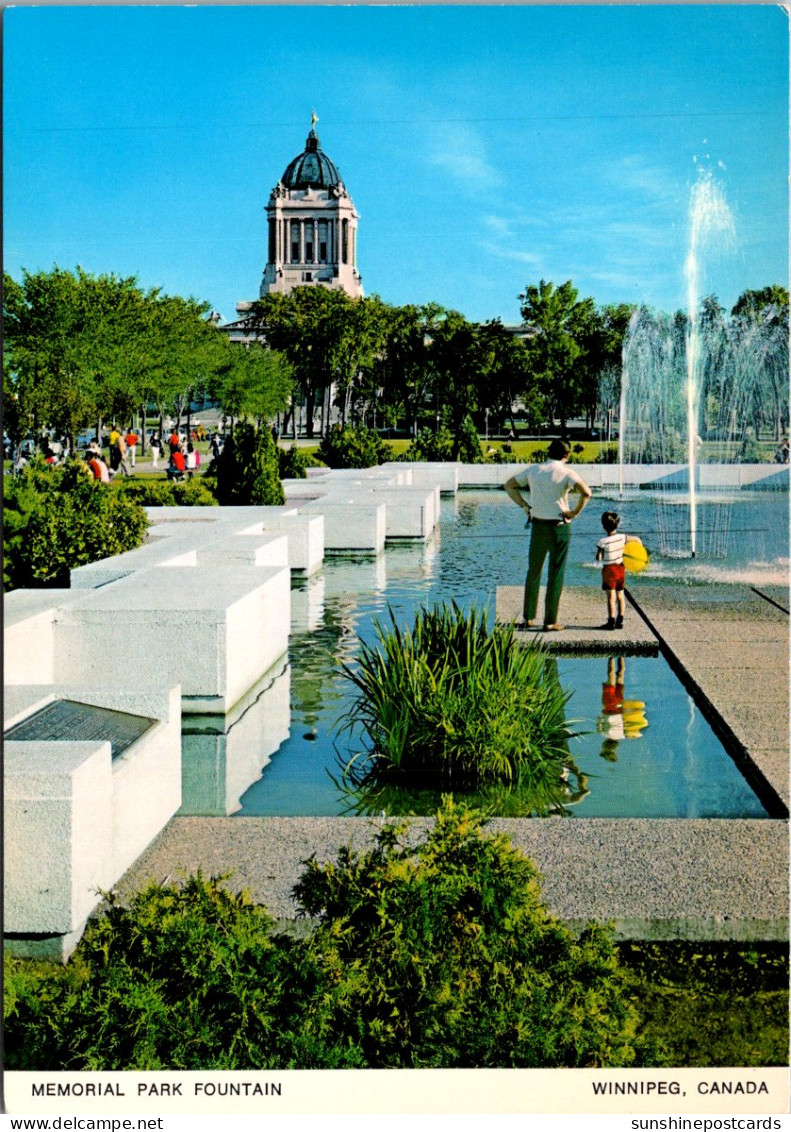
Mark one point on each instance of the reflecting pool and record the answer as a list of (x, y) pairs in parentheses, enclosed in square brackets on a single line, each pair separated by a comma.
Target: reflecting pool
[(655, 768)]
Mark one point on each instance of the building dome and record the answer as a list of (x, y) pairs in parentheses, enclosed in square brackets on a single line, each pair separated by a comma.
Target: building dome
[(312, 169)]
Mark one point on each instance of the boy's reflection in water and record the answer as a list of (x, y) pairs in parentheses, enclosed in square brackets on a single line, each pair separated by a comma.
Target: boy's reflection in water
[(620, 718)]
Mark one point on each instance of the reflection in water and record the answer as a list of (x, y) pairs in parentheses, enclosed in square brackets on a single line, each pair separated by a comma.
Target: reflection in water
[(222, 754), (620, 718)]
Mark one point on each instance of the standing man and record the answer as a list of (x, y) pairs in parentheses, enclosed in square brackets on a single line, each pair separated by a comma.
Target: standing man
[(548, 486)]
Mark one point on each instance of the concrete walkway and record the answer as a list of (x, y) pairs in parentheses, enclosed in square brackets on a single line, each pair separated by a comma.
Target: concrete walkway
[(699, 879), (583, 611)]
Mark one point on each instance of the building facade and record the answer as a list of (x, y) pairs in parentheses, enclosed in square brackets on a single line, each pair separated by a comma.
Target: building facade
[(311, 228)]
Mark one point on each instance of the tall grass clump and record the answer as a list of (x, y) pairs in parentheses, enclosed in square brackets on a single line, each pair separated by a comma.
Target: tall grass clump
[(452, 705)]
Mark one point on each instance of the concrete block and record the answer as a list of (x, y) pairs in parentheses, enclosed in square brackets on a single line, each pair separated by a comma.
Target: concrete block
[(57, 834), (29, 634), (248, 550), (75, 817), (214, 630), (486, 475), (412, 512), (352, 525), (305, 534), (431, 474), (177, 550)]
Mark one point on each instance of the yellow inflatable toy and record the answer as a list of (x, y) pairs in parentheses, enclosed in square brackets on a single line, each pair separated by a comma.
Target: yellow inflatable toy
[(635, 556)]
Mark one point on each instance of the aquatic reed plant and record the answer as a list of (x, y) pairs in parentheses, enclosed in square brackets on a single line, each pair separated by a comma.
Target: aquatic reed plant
[(450, 704)]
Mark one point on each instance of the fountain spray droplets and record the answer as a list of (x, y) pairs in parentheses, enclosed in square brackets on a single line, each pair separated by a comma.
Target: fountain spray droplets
[(692, 386), (709, 216)]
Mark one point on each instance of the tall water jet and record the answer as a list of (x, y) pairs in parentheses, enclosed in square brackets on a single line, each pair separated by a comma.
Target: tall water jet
[(698, 386), (709, 215)]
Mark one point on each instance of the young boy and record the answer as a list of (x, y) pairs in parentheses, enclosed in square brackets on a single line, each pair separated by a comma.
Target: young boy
[(610, 551)]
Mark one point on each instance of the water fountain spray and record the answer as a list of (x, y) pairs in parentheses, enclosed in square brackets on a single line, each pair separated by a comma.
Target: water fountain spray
[(709, 215)]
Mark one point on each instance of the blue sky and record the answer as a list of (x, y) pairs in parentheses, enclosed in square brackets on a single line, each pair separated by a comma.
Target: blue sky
[(484, 147)]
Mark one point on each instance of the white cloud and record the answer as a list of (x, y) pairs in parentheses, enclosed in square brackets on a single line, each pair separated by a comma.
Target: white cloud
[(460, 151)]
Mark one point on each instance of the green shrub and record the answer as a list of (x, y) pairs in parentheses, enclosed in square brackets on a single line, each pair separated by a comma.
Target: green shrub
[(192, 493), (159, 493), (432, 446), (183, 978), (451, 705), (441, 954), (58, 518), (352, 447), (539, 455), (427, 952), (751, 452), (246, 472), (294, 463), (147, 492), (468, 446)]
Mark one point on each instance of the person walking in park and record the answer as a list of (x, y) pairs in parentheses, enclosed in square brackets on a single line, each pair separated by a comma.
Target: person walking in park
[(132, 440), (548, 486), (156, 448), (118, 454)]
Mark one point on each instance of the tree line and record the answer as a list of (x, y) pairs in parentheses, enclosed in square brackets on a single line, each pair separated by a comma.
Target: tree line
[(81, 349)]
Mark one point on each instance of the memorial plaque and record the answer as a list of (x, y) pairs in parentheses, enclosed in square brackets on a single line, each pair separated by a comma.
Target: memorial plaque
[(71, 721)]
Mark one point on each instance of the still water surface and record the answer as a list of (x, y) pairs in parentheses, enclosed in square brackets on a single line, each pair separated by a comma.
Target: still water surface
[(665, 763)]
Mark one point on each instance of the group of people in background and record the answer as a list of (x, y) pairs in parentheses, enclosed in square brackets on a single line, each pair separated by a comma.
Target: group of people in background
[(183, 456)]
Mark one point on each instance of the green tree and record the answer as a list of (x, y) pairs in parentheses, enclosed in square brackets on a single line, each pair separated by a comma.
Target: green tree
[(80, 348), (456, 358), (247, 471), (403, 369), (65, 338), (506, 376), (600, 334), (553, 318), (763, 320), (302, 326), (253, 381)]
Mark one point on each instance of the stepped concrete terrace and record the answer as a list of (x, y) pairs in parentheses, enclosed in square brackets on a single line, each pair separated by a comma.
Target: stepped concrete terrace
[(707, 879)]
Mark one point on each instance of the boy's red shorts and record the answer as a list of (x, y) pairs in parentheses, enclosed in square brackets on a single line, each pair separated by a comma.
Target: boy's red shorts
[(612, 576)]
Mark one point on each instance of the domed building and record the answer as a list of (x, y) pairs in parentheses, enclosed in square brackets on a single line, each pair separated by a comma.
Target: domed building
[(311, 227)]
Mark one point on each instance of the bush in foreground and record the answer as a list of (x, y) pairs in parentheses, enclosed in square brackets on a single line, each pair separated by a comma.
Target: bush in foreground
[(432, 951), (158, 493)]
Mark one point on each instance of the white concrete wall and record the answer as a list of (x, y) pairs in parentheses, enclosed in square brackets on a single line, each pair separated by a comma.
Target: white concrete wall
[(29, 634), (361, 526)]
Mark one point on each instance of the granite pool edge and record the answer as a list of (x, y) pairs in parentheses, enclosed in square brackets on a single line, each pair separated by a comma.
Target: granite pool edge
[(664, 878)]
